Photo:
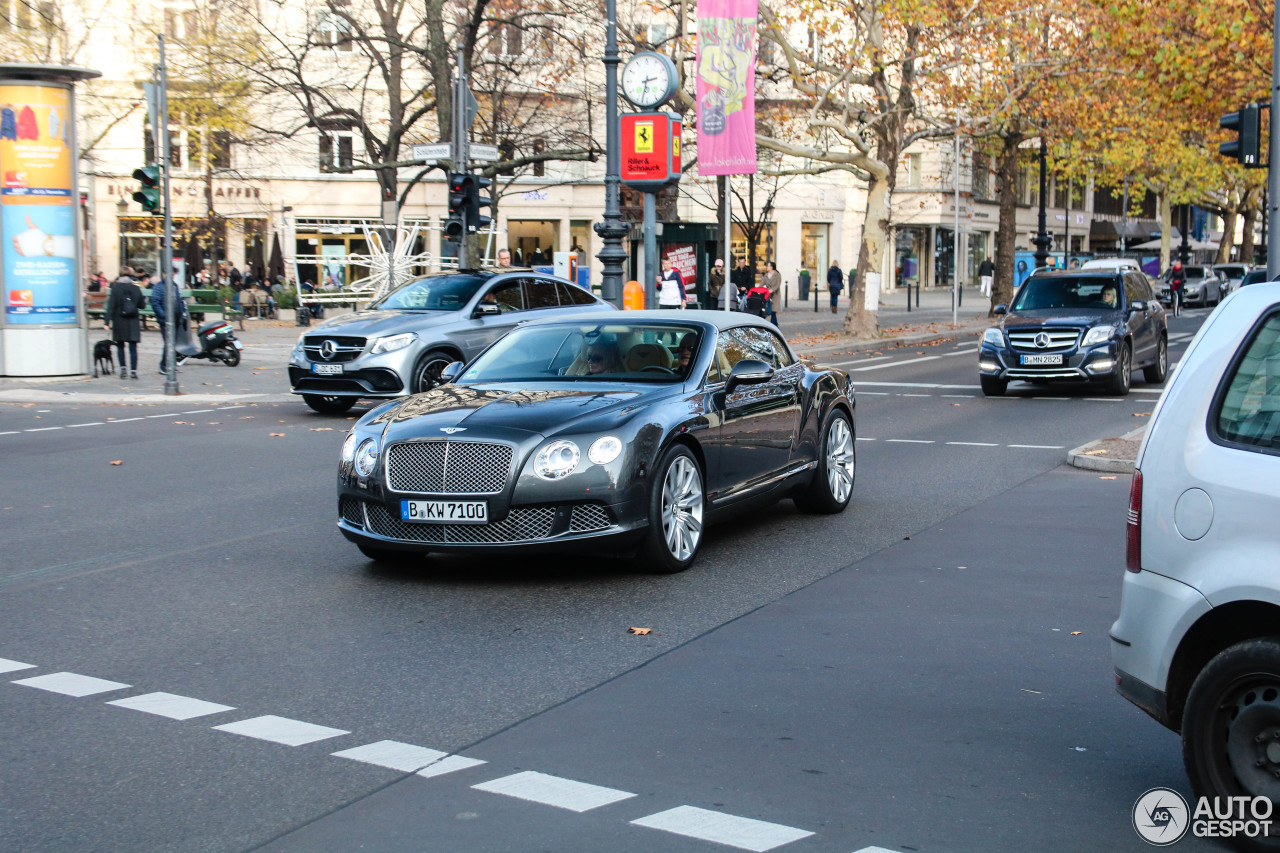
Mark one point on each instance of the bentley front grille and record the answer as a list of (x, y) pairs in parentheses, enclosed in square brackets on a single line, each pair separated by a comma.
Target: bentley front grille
[(1044, 340), (523, 524), (349, 509), (589, 517), (448, 467)]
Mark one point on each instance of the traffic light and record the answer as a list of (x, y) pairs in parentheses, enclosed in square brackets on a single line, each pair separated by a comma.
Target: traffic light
[(476, 220), (149, 194), (456, 226), (1247, 124)]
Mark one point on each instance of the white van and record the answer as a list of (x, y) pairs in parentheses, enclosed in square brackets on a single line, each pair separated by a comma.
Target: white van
[(1111, 264), (1197, 644)]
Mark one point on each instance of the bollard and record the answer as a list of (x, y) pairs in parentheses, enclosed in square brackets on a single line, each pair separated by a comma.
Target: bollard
[(917, 294), (908, 296), (784, 294)]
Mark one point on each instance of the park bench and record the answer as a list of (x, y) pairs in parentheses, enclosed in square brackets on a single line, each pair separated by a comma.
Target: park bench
[(203, 302)]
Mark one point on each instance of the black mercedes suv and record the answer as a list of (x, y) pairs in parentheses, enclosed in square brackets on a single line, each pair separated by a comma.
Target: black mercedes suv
[(1077, 326)]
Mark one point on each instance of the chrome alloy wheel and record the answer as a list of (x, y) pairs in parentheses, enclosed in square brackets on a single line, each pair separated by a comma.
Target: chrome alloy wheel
[(840, 459), (682, 508)]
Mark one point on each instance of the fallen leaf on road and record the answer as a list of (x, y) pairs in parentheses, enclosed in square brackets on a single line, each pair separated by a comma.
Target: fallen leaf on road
[(957, 404), (277, 435), (1100, 450), (28, 405), (1076, 633), (639, 630), (214, 423), (117, 462), (246, 417), (322, 429), (1111, 477), (1141, 414)]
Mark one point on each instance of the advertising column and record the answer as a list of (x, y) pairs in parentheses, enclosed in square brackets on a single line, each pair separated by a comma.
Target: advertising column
[(39, 246)]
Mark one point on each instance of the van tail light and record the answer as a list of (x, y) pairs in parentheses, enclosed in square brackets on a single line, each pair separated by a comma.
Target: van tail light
[(1133, 542)]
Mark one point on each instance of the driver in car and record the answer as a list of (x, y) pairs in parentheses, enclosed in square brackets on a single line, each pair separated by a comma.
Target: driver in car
[(684, 353), (1109, 298)]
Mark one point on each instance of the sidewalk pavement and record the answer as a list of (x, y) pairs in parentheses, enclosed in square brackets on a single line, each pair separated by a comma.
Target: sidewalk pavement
[(262, 375)]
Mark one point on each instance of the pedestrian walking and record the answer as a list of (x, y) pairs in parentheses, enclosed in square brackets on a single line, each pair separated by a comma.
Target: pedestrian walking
[(986, 275), (742, 279), (1177, 281), (835, 284), (161, 293), (124, 301), (772, 279), (715, 281), (671, 293)]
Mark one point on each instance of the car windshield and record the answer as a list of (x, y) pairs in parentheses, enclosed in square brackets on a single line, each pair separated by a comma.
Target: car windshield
[(1049, 293), (1254, 277), (589, 352), (433, 293), (1197, 272)]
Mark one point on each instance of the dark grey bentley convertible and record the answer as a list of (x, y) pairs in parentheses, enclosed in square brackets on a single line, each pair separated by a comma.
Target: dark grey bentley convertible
[(607, 434)]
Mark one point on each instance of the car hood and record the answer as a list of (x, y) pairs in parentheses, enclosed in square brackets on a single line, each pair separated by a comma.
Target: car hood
[(475, 409), (374, 324), (1061, 317)]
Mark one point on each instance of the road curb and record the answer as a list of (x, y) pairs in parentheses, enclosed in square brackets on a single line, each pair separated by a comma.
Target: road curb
[(904, 341), (1110, 455)]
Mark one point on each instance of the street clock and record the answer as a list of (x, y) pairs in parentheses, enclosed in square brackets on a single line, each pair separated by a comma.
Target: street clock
[(648, 79)]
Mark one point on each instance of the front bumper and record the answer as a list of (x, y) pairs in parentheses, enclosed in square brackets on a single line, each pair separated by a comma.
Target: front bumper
[(1079, 364), (381, 375), (584, 526)]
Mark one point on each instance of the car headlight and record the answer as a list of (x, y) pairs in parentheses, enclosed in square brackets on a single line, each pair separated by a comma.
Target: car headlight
[(604, 450), (392, 343), (349, 448), (993, 336), (302, 339), (558, 459), (1098, 335), (366, 457)]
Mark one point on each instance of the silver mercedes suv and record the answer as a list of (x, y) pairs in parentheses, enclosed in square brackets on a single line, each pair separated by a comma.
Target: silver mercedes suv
[(400, 343)]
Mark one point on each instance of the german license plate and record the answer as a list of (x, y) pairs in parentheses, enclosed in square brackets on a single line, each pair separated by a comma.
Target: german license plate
[(1041, 359), (445, 512), (327, 369)]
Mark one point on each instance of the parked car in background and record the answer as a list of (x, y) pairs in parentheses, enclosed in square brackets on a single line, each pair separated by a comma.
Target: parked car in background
[(1203, 286), (1231, 275), (400, 343), (1197, 641), (599, 433), (1059, 328), (1254, 276)]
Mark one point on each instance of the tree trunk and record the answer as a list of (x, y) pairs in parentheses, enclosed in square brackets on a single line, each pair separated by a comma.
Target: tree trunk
[(1229, 217), (1250, 216), (1007, 233), (860, 321)]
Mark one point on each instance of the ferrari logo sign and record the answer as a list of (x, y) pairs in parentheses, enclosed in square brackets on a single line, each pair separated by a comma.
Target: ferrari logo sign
[(644, 137)]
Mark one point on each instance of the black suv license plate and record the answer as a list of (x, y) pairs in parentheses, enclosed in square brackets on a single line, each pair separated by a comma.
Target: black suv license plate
[(1041, 360)]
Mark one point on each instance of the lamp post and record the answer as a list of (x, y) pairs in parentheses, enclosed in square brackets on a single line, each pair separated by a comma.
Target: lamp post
[(1184, 249), (612, 229), (1042, 240)]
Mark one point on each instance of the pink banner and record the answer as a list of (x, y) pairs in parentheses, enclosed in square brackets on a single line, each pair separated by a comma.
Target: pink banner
[(727, 87)]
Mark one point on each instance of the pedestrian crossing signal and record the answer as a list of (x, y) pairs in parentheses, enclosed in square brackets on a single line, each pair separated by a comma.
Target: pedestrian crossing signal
[(149, 194)]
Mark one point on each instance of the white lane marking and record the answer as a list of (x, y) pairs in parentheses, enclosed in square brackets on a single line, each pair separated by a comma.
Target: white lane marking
[(95, 423), (873, 393), (908, 441), (918, 385), (171, 705), (914, 395), (1105, 399), (124, 420), (963, 396), (1050, 398), (196, 412), (973, 444), (408, 758), (11, 432), (159, 416), (1036, 446), (960, 352), (896, 363), (448, 765), (553, 791), (742, 832), (874, 850), (71, 684), (42, 429), (860, 438), (7, 665), (858, 361), (281, 730)]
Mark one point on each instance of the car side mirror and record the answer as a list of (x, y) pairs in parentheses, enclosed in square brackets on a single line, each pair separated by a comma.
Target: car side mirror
[(1137, 305), (451, 371), (749, 371), (1000, 309), (486, 309)]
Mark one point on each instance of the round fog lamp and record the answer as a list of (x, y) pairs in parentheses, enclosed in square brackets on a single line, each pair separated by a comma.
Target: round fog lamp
[(605, 450), (366, 457), (558, 459)]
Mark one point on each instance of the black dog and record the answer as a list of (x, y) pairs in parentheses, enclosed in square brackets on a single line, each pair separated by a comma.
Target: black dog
[(103, 358)]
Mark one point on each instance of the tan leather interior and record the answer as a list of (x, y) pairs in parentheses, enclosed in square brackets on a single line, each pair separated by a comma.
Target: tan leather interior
[(641, 356)]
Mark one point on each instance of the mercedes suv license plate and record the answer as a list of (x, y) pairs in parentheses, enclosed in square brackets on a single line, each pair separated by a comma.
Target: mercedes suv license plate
[(327, 369), (445, 512), (1041, 359)]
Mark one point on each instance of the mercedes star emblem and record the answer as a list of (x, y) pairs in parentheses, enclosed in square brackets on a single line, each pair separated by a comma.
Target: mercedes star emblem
[(1042, 340), (328, 350)]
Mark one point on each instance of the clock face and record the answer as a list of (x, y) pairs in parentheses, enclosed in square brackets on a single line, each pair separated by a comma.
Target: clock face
[(646, 80)]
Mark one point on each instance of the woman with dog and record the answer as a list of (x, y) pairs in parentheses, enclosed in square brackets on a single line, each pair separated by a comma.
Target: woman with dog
[(121, 316)]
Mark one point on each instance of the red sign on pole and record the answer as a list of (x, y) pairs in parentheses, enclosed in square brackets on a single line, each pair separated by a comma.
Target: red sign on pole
[(646, 150), (676, 129)]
